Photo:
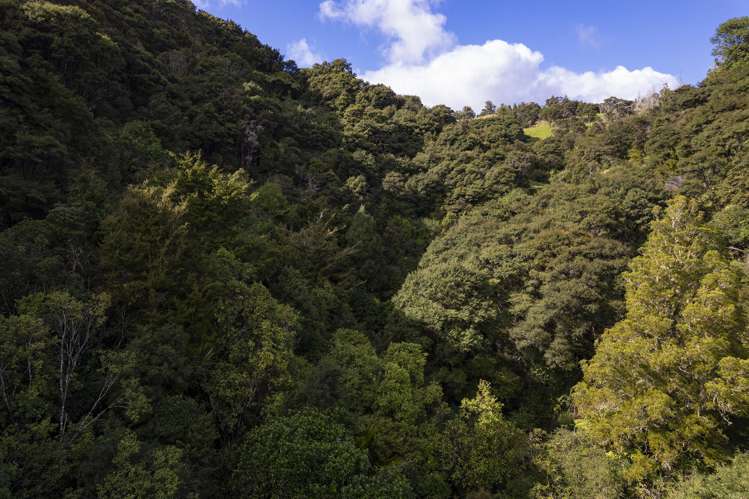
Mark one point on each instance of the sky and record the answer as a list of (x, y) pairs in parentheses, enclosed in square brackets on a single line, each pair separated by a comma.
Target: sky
[(464, 52)]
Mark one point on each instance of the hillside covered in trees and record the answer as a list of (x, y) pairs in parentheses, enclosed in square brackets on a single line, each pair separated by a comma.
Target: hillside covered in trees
[(225, 276)]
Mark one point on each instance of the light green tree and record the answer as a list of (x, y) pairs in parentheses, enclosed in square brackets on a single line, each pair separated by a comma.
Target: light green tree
[(141, 474), (665, 382), (486, 454), (730, 481)]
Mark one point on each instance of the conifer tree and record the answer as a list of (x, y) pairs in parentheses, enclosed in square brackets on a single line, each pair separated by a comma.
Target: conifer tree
[(663, 386)]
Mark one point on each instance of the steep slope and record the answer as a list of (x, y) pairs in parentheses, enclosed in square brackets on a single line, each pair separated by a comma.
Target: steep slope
[(221, 275)]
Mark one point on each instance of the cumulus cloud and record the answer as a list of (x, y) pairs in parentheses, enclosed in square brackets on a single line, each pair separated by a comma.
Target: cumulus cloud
[(510, 73), (301, 52), (425, 60), (595, 87), (468, 75), (414, 31)]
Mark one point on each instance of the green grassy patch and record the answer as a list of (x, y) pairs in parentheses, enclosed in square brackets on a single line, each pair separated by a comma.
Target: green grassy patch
[(541, 130)]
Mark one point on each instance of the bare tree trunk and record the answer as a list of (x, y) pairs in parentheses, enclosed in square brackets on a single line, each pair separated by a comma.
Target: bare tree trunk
[(74, 334), (250, 145)]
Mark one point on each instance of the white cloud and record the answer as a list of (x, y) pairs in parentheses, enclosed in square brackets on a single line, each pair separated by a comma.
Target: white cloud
[(414, 31), (595, 87), (424, 60), (301, 52), (510, 73), (588, 35), (467, 75)]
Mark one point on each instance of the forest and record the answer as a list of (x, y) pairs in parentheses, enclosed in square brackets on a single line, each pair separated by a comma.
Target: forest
[(222, 275)]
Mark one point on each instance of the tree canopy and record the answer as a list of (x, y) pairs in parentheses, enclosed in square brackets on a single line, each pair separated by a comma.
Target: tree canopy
[(222, 275)]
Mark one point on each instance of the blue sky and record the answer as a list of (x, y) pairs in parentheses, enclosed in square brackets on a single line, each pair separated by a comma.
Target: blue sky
[(439, 50)]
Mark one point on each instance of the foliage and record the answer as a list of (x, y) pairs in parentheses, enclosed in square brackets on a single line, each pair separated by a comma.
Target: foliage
[(729, 481), (221, 275), (664, 384), (731, 41), (571, 466), (305, 455)]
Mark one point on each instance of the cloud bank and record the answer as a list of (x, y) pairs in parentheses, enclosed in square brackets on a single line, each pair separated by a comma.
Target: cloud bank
[(424, 59), (510, 73)]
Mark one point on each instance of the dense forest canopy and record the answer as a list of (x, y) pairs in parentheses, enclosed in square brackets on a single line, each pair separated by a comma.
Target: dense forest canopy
[(225, 276)]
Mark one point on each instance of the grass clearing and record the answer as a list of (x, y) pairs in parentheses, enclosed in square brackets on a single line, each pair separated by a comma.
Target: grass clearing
[(541, 130)]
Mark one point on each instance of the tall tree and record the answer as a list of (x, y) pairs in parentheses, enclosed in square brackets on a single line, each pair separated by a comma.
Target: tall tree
[(731, 41), (665, 382)]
